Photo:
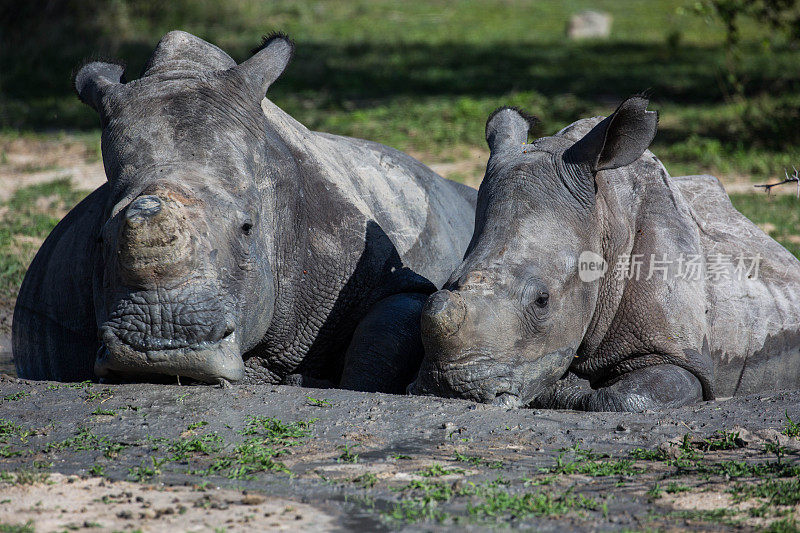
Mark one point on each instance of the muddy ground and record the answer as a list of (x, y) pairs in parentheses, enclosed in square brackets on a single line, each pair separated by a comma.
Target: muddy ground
[(126, 457)]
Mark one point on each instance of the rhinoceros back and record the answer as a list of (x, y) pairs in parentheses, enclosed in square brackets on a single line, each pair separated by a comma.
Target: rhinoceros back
[(429, 219), (754, 316)]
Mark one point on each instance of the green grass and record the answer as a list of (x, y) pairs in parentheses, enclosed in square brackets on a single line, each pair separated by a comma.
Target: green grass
[(785, 525), (437, 470), (590, 463), (9, 431), (424, 75), (721, 440), (775, 491), (318, 402), (792, 428), (486, 502), (347, 455), (16, 396), (29, 216), (24, 476), (267, 439), (27, 527), (780, 214), (86, 439), (366, 480)]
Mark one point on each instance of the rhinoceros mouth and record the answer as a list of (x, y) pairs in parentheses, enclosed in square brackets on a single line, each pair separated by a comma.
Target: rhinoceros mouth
[(472, 377), (206, 362)]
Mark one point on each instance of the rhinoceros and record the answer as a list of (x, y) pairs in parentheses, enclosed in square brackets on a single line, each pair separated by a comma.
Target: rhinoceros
[(231, 243), (596, 281)]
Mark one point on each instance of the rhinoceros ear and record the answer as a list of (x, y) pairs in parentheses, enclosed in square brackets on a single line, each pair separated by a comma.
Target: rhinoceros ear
[(268, 62), (94, 78), (508, 126), (619, 139)]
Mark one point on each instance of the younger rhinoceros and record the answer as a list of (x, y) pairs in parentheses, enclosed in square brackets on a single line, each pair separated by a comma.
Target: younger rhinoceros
[(231, 243), (590, 263)]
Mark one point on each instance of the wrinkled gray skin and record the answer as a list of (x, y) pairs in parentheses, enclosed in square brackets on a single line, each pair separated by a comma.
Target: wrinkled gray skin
[(515, 324), (231, 243)]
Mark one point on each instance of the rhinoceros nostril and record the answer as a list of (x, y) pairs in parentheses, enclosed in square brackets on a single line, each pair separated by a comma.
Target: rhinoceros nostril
[(142, 209), (444, 313)]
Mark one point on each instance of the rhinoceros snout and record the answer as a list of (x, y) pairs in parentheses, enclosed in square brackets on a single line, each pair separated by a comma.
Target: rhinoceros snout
[(154, 241), (443, 314)]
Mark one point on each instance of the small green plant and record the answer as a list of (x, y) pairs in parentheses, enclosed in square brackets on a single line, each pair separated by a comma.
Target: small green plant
[(437, 470), (101, 395), (145, 472), (104, 412), (10, 431), (268, 438), (27, 527), (477, 461), (502, 503), (85, 439), (17, 396), (775, 448), (655, 491), (784, 525), (26, 476), (366, 480), (317, 402), (775, 491), (675, 488), (97, 470), (80, 385), (721, 440), (587, 464), (6, 451), (642, 454), (792, 428), (184, 448), (347, 455)]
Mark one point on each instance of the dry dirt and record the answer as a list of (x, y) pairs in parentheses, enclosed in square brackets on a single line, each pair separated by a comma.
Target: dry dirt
[(74, 503), (77, 455)]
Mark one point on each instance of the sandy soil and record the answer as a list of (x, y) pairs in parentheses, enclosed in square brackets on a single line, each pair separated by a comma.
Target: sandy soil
[(73, 503)]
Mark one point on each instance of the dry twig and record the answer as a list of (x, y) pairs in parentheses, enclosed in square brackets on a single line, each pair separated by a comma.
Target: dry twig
[(794, 178)]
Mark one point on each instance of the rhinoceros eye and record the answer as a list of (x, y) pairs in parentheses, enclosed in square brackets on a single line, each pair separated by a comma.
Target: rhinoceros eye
[(542, 300), (247, 227)]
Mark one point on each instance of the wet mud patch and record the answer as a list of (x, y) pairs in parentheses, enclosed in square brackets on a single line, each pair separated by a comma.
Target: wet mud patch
[(349, 460)]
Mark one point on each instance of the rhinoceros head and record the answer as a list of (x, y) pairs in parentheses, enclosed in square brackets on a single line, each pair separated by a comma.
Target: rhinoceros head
[(513, 314), (184, 285)]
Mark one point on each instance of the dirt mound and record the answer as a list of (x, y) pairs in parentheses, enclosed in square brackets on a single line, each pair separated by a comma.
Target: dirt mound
[(360, 461)]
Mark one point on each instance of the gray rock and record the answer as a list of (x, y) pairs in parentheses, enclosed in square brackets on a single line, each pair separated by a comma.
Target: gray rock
[(589, 25)]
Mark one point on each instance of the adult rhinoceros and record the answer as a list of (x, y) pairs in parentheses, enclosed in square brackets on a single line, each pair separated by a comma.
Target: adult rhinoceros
[(590, 261), (231, 243)]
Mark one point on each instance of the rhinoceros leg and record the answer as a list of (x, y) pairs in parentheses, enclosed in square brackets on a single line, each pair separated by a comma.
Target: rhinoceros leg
[(654, 387), (386, 350)]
